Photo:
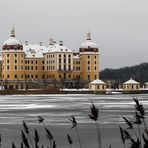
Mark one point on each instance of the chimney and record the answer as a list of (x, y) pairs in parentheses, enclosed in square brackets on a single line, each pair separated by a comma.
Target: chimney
[(40, 43), (61, 43), (54, 42), (26, 43)]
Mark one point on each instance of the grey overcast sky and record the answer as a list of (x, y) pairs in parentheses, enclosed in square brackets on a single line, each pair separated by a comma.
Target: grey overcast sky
[(119, 27)]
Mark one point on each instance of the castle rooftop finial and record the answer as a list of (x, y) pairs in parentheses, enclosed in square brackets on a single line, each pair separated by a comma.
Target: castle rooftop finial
[(88, 36), (51, 41), (13, 32)]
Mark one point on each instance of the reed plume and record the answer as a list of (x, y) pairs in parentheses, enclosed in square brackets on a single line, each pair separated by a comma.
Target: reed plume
[(122, 136), (69, 140), (48, 133), (25, 140), (54, 144), (13, 145), (94, 113), (75, 125), (22, 146), (36, 138), (26, 129), (129, 123)]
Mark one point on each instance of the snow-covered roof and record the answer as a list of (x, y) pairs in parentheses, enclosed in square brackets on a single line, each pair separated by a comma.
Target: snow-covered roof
[(12, 41), (58, 48), (34, 50), (131, 81), (97, 81), (88, 44), (76, 57)]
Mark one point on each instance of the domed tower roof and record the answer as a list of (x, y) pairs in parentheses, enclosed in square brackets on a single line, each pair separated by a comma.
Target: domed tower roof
[(88, 45), (12, 43)]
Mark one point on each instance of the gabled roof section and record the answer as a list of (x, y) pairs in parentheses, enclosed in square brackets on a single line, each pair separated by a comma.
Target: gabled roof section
[(97, 81), (131, 81)]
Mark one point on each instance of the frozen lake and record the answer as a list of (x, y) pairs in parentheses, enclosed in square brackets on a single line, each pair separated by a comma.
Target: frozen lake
[(57, 109)]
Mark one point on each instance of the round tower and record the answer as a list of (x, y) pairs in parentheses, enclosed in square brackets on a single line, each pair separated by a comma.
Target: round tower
[(12, 61), (89, 54)]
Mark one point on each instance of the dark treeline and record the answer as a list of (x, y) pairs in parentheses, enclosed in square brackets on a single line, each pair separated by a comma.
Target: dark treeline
[(137, 72)]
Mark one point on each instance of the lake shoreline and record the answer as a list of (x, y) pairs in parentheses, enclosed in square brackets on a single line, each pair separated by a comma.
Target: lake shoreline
[(57, 91)]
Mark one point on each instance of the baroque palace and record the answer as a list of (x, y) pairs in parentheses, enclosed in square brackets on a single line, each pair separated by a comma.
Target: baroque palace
[(37, 66)]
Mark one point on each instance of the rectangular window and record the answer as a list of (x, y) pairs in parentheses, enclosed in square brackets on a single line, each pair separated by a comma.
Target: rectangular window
[(15, 67), (64, 67), (64, 60), (15, 76), (59, 67)]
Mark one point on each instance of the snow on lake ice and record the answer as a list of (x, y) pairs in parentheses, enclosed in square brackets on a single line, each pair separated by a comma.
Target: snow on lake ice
[(57, 109)]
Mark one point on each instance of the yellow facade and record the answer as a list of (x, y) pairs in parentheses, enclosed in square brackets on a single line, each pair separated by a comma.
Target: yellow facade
[(12, 65), (131, 87), (56, 63), (90, 66), (34, 69)]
